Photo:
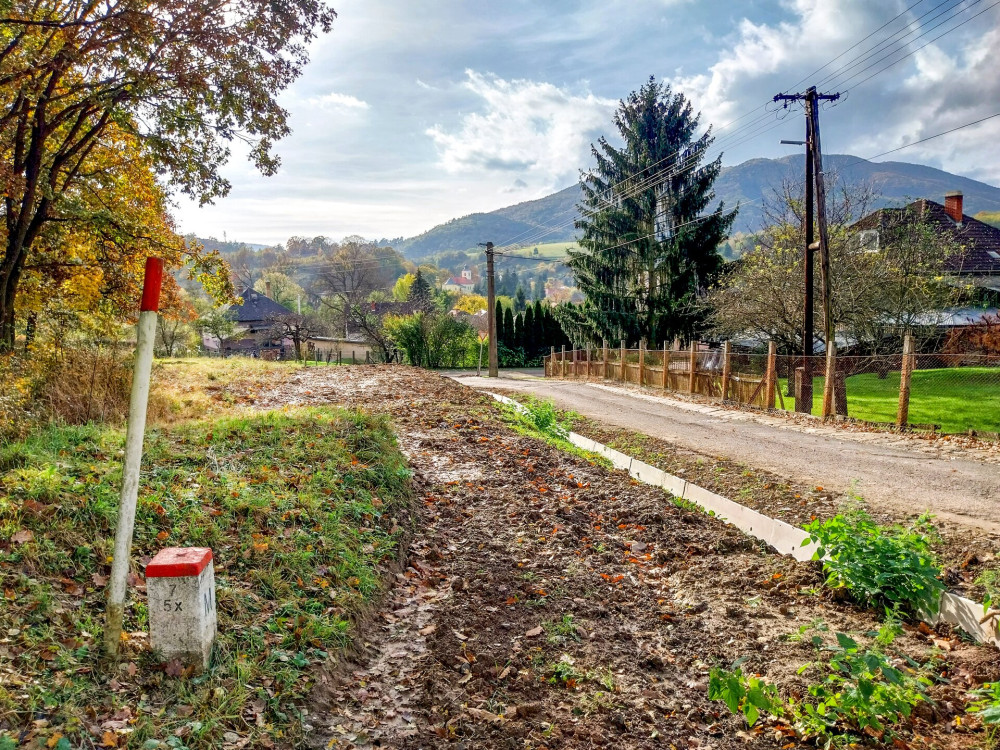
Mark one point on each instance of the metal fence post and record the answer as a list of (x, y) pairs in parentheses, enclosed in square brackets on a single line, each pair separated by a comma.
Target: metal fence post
[(903, 412), (727, 371)]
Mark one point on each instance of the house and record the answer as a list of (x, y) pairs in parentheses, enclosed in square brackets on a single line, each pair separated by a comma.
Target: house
[(254, 319), (463, 283), (978, 265)]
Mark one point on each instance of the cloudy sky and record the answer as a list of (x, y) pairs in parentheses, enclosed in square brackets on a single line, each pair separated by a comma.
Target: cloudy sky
[(413, 113)]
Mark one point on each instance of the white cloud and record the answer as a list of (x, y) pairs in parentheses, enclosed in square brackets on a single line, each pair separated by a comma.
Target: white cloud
[(535, 130), (943, 85), (338, 101)]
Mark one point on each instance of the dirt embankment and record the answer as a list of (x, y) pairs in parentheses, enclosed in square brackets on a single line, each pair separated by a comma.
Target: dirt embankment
[(551, 603)]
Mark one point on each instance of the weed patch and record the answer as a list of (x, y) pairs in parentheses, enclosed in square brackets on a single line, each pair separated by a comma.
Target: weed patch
[(302, 510), (880, 566), (539, 418), (860, 693)]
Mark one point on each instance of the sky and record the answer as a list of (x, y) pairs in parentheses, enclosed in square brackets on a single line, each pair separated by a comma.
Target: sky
[(413, 113)]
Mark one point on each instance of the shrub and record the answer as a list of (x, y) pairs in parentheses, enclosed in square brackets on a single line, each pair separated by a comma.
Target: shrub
[(879, 566)]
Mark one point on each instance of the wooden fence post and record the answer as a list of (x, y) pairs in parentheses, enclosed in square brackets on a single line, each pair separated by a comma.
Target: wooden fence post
[(666, 364), (624, 372), (770, 376), (727, 371), (692, 366), (604, 374), (831, 368), (642, 360), (551, 371), (588, 361), (562, 362), (903, 413)]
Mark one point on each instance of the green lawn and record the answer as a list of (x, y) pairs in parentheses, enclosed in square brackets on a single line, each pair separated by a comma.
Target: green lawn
[(549, 249), (958, 399)]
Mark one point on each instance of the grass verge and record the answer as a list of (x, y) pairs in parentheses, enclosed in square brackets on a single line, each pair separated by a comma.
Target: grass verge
[(539, 418), (303, 510)]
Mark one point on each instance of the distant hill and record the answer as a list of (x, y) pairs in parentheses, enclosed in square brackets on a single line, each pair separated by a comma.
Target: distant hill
[(550, 219)]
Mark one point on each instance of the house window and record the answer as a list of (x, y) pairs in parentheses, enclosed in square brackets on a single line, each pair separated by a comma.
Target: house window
[(868, 241)]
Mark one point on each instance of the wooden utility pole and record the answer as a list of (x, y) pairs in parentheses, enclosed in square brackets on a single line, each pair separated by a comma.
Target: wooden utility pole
[(491, 310), (814, 163)]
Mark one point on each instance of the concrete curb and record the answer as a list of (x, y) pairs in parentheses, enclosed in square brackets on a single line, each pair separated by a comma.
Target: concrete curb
[(787, 539)]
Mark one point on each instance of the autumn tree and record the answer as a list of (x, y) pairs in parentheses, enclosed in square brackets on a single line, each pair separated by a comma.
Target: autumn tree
[(297, 328), (179, 79), (882, 284)]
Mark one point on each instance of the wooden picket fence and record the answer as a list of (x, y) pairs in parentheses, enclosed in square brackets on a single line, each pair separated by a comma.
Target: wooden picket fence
[(714, 373)]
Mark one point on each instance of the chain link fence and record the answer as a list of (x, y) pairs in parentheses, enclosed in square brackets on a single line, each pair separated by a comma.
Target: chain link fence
[(946, 393)]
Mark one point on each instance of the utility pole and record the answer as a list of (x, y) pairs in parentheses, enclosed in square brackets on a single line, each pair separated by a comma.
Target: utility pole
[(815, 180), (491, 305)]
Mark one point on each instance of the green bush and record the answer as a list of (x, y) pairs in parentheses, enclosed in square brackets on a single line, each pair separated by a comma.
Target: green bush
[(879, 566)]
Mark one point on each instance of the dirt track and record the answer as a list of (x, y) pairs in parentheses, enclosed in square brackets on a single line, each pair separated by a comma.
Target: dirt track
[(904, 474), (550, 603)]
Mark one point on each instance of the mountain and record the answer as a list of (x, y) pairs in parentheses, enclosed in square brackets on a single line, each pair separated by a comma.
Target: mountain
[(550, 219), (554, 214)]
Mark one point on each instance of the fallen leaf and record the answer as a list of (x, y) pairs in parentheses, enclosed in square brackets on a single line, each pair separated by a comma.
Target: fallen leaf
[(174, 668), (109, 739), (54, 739), (478, 713), (162, 535), (23, 536), (534, 632), (428, 630)]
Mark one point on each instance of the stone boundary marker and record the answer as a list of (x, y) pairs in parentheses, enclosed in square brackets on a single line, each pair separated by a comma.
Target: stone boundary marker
[(180, 585), (787, 539)]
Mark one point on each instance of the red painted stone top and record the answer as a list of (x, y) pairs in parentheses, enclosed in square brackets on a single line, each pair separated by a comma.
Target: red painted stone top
[(176, 562)]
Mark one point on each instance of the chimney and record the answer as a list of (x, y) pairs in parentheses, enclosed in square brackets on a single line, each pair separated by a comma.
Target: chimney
[(953, 205), (267, 284)]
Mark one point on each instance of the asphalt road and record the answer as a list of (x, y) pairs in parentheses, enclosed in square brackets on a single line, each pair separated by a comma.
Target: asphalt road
[(899, 473)]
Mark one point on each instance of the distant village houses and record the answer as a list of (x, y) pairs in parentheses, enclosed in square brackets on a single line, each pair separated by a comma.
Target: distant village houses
[(463, 284)]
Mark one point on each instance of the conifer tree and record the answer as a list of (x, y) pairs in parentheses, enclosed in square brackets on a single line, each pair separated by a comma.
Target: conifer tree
[(420, 292), (498, 316), (648, 251), (528, 333), (508, 329)]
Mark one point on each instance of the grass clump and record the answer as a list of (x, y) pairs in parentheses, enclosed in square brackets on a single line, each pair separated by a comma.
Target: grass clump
[(302, 510), (539, 418), (880, 566)]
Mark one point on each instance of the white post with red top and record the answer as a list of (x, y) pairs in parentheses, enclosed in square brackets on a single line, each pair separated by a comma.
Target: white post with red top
[(133, 453), (180, 585)]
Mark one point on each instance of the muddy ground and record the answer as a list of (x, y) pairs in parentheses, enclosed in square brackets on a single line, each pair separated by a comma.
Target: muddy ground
[(548, 602)]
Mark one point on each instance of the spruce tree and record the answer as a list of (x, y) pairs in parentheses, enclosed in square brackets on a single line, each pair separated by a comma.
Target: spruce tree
[(520, 299), (420, 292), (541, 340), (648, 251)]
